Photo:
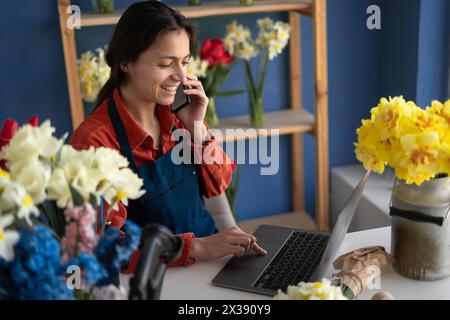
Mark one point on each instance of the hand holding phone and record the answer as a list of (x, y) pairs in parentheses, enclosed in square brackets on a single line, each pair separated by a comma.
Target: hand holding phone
[(181, 100)]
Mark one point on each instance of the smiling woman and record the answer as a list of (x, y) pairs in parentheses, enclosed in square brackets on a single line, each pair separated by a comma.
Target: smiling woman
[(148, 56)]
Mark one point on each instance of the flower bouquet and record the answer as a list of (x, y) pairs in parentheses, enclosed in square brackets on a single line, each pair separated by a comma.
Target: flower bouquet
[(213, 67), (272, 39), (48, 199), (323, 290), (415, 142)]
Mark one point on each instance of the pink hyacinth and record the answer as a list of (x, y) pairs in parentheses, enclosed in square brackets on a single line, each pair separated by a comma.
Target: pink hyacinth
[(79, 235)]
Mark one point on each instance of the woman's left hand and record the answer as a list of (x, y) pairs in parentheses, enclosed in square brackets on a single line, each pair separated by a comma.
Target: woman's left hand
[(199, 102)]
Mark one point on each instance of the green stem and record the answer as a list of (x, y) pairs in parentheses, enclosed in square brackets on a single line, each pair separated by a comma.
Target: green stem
[(262, 75), (257, 112), (211, 114), (250, 82)]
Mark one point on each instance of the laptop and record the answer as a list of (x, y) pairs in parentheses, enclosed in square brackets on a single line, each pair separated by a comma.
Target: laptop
[(293, 255)]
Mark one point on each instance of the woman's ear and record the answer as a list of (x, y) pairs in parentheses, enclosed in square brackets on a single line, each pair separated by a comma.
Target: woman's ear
[(124, 67)]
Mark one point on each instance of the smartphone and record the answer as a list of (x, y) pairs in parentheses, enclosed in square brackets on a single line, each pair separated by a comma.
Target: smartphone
[(181, 100)]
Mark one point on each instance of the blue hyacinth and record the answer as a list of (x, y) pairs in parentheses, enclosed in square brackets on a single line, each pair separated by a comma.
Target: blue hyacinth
[(113, 252), (36, 272), (92, 271)]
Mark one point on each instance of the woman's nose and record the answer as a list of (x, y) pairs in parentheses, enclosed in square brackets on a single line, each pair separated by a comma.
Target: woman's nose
[(181, 74)]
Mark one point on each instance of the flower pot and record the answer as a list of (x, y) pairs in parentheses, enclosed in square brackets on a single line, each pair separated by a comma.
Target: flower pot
[(420, 237), (256, 109), (103, 6), (211, 114)]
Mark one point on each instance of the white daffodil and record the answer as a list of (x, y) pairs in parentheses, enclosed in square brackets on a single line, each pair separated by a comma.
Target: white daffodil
[(238, 41), (247, 51), (8, 238), (58, 188), (312, 291), (125, 185), (32, 142), (34, 176), (265, 23), (14, 198), (107, 160), (197, 67)]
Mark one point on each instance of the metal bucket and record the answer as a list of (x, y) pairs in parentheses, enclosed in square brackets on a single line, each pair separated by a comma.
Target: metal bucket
[(420, 237)]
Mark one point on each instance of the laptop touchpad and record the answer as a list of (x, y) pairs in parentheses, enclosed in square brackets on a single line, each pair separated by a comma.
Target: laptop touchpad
[(254, 260)]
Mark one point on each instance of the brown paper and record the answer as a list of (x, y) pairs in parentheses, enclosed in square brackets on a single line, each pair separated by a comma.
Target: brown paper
[(360, 267)]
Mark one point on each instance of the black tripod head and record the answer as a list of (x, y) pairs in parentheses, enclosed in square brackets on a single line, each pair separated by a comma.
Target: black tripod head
[(159, 246)]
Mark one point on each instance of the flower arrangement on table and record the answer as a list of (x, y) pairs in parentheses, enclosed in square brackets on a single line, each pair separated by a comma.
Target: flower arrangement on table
[(213, 66), (272, 39), (323, 290), (41, 258), (93, 72), (415, 142)]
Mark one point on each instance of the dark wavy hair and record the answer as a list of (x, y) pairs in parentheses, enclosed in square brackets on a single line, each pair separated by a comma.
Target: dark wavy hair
[(138, 28)]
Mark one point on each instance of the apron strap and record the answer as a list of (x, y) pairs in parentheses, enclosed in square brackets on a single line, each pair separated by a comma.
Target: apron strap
[(121, 134)]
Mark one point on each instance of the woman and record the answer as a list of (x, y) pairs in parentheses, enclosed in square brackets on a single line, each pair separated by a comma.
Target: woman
[(148, 55)]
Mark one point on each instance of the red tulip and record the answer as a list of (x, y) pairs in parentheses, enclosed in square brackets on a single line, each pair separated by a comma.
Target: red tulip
[(34, 121), (8, 131), (214, 52)]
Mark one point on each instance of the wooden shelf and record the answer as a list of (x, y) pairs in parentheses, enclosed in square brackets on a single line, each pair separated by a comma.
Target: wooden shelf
[(208, 9), (285, 121), (299, 220)]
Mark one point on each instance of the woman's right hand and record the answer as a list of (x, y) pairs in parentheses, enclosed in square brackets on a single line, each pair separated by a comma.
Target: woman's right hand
[(230, 241)]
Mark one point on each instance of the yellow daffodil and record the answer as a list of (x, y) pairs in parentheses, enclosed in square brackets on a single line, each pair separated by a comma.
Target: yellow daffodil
[(94, 72), (419, 158), (415, 142)]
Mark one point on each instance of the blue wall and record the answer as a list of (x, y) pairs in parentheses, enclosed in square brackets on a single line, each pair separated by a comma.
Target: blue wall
[(408, 56)]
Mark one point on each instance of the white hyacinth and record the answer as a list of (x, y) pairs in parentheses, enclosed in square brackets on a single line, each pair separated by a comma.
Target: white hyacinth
[(311, 291)]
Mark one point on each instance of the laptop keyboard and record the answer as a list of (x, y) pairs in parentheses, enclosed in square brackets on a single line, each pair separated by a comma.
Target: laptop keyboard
[(295, 262)]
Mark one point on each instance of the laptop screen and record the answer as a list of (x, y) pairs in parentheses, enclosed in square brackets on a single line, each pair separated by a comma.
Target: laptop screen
[(340, 229)]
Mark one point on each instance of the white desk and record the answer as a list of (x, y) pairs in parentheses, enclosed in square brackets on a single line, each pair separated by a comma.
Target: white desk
[(194, 282)]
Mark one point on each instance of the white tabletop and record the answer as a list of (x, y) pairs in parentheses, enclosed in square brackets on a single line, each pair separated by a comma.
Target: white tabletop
[(194, 282)]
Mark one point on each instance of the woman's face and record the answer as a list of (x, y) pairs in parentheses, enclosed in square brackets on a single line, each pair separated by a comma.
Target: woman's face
[(159, 70)]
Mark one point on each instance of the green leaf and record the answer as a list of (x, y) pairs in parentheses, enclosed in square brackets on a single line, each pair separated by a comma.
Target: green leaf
[(229, 93), (250, 82), (58, 156), (93, 200), (78, 200)]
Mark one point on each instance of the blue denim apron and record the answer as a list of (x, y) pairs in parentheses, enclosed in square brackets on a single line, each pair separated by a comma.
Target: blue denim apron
[(172, 196)]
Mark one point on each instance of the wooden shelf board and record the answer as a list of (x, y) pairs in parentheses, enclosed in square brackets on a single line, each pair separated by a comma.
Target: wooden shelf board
[(208, 9), (286, 121), (299, 220)]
